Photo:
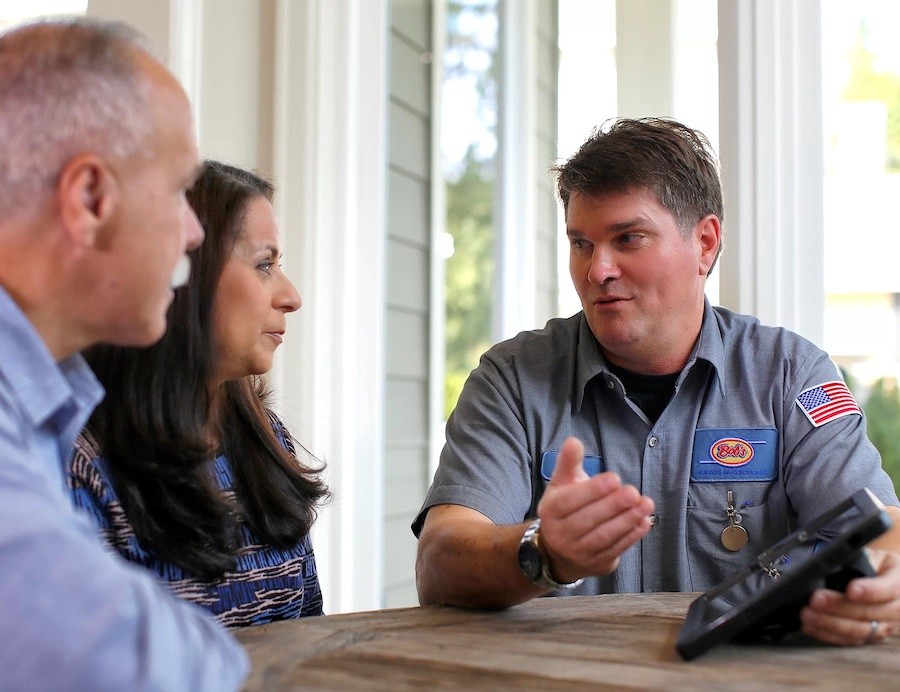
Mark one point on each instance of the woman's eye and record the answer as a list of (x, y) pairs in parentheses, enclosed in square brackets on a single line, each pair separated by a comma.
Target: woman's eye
[(265, 267)]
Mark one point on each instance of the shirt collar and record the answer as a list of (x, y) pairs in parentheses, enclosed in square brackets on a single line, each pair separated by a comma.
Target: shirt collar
[(710, 347), (590, 361), (42, 385)]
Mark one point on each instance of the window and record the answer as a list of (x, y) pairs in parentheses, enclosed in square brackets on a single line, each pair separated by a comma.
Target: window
[(861, 93), (469, 157)]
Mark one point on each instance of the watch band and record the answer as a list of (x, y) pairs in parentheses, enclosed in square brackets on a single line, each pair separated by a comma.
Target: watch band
[(529, 549)]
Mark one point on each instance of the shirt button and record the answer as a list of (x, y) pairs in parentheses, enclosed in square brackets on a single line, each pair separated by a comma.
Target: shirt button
[(652, 441), (610, 384), (653, 519)]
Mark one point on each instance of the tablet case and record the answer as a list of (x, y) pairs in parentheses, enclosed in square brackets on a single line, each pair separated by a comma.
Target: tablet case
[(762, 601)]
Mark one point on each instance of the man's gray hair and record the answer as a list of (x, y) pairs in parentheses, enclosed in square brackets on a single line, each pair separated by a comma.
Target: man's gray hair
[(67, 86)]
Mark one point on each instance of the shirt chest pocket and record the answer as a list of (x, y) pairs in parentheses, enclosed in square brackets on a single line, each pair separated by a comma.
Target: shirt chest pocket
[(760, 509), (744, 462), (593, 464)]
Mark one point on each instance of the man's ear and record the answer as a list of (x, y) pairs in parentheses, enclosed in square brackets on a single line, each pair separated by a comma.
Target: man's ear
[(708, 232), (87, 195)]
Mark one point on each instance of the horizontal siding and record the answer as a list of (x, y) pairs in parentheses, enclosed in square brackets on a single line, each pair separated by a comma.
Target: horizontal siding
[(410, 75), (408, 270), (410, 140), (406, 481), (407, 346), (408, 294), (407, 412), (412, 20), (408, 209)]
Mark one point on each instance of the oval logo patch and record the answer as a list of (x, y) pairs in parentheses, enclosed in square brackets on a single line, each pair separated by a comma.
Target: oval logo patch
[(731, 451)]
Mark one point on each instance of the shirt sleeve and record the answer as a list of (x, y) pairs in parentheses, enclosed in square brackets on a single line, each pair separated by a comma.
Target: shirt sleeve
[(485, 463), (827, 463), (76, 616)]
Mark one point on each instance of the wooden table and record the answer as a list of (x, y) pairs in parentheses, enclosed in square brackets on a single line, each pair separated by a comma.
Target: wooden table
[(549, 643)]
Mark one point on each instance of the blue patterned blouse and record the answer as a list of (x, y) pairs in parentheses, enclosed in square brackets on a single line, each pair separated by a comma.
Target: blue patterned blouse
[(267, 584)]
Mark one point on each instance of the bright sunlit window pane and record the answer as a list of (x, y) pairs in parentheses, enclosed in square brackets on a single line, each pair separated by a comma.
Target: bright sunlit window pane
[(861, 92), (588, 82), (469, 158)]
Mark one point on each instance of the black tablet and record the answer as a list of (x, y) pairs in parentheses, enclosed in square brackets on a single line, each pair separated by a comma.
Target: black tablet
[(762, 601)]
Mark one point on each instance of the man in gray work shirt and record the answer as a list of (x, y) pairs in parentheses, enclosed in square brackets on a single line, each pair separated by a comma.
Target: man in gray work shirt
[(661, 442)]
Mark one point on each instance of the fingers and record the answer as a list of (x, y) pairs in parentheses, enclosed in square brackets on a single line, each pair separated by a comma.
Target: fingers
[(846, 618), (588, 522), (585, 527), (842, 630), (601, 516), (600, 549), (883, 588), (569, 464)]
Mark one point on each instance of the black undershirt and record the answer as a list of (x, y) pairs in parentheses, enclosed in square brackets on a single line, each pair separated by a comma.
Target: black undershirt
[(651, 393)]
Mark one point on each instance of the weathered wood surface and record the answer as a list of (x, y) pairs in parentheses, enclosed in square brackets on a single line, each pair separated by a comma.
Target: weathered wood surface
[(617, 641)]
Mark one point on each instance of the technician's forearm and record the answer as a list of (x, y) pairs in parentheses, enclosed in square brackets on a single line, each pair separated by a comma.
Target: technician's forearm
[(475, 568)]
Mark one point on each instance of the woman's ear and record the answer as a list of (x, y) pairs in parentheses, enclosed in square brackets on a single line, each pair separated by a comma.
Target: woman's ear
[(87, 195)]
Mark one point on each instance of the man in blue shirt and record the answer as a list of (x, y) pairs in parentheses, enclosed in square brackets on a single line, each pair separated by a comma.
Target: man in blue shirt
[(97, 150)]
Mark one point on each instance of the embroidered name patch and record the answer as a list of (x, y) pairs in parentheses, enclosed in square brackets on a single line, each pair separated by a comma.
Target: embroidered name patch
[(734, 454), (592, 464), (825, 402)]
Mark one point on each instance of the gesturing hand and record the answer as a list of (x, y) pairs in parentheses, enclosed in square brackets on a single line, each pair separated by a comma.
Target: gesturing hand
[(588, 522)]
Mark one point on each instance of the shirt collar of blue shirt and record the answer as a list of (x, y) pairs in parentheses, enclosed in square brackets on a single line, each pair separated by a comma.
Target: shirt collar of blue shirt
[(44, 387)]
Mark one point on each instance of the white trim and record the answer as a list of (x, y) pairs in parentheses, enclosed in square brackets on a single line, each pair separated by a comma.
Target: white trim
[(185, 49), (645, 58), (330, 153), (770, 87), (437, 309), (514, 255)]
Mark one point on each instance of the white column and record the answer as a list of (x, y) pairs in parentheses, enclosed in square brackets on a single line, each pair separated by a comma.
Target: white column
[(515, 208), (770, 138), (330, 151), (645, 58)]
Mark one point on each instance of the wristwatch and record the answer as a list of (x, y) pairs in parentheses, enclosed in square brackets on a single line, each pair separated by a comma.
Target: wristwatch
[(534, 563)]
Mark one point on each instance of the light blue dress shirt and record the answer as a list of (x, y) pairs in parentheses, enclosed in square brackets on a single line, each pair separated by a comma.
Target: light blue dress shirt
[(74, 616)]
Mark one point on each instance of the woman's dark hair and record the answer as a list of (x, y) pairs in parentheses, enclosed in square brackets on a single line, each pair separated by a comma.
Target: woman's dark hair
[(154, 425)]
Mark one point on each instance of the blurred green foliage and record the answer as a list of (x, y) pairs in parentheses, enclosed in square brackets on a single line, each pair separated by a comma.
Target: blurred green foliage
[(882, 409), (469, 272), (470, 59)]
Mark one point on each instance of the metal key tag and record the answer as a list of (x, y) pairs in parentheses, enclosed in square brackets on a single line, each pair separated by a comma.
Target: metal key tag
[(734, 536)]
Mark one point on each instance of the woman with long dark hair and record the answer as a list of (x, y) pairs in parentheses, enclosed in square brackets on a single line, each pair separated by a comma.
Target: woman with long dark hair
[(183, 466)]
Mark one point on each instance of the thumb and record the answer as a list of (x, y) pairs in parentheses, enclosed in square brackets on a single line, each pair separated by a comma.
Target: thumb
[(569, 466)]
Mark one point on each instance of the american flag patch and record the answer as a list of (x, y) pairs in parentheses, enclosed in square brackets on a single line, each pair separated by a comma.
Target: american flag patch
[(828, 401)]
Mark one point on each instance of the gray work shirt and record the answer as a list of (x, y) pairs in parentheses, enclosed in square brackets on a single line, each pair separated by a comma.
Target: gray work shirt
[(734, 423)]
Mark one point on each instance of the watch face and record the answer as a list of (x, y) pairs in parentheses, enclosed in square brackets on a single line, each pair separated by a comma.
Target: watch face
[(530, 560)]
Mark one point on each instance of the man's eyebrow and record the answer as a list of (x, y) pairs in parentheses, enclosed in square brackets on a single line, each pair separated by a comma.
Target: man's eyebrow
[(615, 227), (628, 225)]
